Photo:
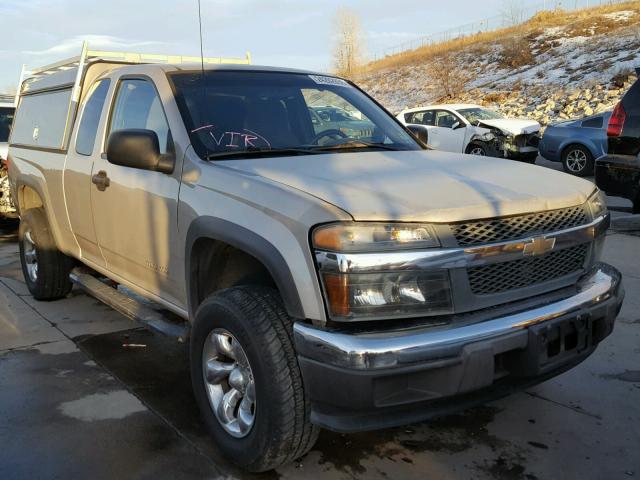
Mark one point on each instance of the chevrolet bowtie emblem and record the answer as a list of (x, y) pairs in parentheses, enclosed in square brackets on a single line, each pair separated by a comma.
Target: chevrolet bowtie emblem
[(538, 246)]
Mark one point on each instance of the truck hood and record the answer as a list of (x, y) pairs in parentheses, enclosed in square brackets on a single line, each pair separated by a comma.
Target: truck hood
[(513, 126), (430, 186)]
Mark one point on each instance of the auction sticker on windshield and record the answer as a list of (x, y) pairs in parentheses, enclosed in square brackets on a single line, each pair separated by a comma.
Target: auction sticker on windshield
[(322, 80)]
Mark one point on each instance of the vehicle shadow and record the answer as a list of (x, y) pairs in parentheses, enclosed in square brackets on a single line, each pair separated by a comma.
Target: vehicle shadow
[(156, 369)]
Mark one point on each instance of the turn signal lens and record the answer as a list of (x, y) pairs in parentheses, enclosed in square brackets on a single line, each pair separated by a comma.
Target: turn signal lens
[(373, 237), (597, 204)]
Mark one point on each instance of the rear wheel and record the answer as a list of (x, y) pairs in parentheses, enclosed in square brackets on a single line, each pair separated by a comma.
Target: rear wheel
[(246, 378), (577, 160), (45, 269)]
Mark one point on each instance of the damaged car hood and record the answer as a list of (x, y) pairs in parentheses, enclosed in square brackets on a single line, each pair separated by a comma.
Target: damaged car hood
[(431, 186), (513, 126)]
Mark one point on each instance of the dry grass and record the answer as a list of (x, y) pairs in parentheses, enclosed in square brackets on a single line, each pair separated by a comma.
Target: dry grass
[(580, 21)]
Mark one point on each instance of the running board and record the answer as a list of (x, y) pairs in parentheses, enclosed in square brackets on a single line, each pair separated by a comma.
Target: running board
[(128, 306)]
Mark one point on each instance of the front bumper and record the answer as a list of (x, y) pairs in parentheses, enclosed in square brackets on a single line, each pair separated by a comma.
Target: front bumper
[(387, 378)]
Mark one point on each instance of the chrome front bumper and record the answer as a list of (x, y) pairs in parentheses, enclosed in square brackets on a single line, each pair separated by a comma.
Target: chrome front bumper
[(403, 348)]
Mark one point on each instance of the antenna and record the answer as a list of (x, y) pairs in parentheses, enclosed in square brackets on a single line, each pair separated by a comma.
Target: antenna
[(201, 48)]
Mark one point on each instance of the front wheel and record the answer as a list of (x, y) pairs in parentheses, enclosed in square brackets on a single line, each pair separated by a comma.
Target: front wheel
[(246, 378), (577, 160), (477, 149), (45, 269)]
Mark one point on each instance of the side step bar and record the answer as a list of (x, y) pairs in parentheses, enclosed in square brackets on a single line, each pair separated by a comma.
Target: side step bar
[(127, 305)]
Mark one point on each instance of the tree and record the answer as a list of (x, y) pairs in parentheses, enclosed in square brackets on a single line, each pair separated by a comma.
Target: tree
[(349, 46), (448, 76)]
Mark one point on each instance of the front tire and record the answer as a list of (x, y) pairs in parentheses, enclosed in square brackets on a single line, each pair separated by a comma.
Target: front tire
[(246, 378), (577, 160), (477, 149), (45, 269)]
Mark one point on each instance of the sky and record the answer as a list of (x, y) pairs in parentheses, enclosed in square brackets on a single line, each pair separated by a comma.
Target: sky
[(291, 33)]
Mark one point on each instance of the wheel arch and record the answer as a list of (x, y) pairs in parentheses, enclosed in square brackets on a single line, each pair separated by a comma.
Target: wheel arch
[(210, 240)]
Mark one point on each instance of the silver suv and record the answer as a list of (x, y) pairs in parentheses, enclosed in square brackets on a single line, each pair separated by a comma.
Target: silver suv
[(342, 279)]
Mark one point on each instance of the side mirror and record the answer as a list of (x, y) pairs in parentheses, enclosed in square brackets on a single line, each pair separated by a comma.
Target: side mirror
[(138, 148), (456, 125), (420, 132)]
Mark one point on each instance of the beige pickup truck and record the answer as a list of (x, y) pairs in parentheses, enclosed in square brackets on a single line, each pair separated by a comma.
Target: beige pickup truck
[(347, 278)]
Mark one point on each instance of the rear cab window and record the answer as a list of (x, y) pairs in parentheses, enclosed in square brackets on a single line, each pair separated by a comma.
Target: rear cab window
[(88, 128)]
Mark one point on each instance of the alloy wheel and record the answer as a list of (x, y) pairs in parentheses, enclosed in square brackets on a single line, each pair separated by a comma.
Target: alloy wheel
[(30, 256), (576, 160), (229, 383)]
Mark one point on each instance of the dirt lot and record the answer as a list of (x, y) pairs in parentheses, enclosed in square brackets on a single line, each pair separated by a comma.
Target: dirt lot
[(84, 394)]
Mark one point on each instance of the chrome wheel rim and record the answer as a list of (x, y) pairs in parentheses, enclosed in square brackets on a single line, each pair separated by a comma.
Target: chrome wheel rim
[(576, 160), (30, 256), (477, 151), (229, 383)]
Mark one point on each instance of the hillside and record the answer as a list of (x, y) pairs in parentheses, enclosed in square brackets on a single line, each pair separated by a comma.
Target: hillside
[(557, 65)]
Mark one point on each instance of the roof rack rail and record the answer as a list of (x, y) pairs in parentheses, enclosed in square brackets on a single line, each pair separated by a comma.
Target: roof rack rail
[(88, 56)]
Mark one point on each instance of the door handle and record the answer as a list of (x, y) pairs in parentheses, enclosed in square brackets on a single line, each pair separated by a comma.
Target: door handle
[(101, 180)]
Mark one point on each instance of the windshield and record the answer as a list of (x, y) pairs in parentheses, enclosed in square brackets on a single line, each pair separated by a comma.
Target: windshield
[(6, 118), (233, 113), (473, 115)]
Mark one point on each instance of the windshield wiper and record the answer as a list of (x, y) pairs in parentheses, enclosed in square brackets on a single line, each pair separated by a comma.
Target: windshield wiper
[(259, 152), (355, 144)]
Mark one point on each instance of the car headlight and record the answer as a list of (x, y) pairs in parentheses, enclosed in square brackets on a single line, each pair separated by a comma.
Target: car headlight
[(597, 204), (372, 271), (373, 237), (488, 137)]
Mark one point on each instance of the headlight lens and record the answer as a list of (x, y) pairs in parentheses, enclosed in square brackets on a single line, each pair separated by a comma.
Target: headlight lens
[(373, 237), (391, 286), (373, 296), (597, 204)]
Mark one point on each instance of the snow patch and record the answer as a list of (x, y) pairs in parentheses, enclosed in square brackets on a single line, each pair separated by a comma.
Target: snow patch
[(620, 16)]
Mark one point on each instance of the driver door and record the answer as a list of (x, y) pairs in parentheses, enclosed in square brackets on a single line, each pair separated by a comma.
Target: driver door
[(445, 136), (135, 214)]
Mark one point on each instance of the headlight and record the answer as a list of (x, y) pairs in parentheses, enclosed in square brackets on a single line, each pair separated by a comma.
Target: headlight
[(488, 137), (373, 237), (597, 204), (371, 271)]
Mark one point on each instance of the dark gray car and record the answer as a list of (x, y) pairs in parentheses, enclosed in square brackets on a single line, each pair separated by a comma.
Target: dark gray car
[(576, 143)]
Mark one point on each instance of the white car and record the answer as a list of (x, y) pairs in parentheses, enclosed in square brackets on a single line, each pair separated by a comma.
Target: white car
[(473, 129)]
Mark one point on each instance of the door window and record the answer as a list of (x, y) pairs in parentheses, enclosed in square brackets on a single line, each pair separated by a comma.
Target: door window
[(88, 128), (421, 118), (445, 119), (138, 106)]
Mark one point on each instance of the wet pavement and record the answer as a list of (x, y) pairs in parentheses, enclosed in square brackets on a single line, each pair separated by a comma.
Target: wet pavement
[(85, 394)]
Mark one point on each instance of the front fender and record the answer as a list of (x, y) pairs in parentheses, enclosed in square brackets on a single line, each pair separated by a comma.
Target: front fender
[(251, 243)]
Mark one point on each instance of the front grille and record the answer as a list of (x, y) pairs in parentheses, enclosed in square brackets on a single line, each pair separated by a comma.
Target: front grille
[(527, 140), (525, 272), (510, 228)]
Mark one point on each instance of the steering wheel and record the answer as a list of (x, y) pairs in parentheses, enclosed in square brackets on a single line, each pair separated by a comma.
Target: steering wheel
[(332, 132)]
